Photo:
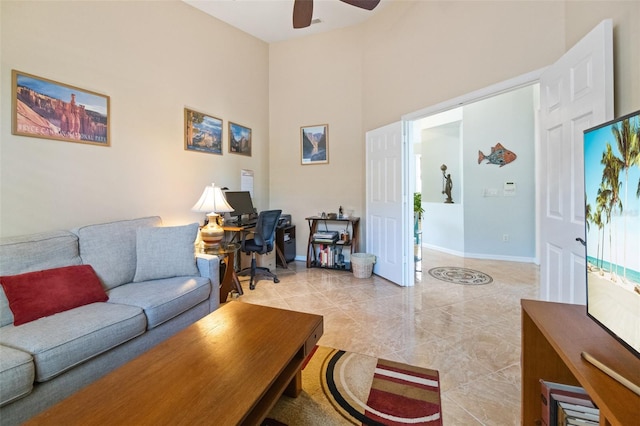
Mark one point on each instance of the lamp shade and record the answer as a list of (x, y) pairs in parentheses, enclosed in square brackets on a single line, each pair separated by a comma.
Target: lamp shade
[(212, 200)]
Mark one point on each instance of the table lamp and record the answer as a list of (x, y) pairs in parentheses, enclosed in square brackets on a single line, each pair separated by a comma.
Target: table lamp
[(212, 201)]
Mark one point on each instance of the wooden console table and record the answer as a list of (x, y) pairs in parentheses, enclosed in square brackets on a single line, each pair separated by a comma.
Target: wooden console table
[(229, 368), (230, 279), (553, 337)]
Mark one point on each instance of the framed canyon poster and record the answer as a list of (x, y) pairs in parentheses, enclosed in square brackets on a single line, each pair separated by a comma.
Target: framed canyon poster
[(202, 132), (44, 108), (239, 139), (314, 144)]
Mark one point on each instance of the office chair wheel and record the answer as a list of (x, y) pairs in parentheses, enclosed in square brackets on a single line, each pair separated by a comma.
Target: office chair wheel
[(276, 281)]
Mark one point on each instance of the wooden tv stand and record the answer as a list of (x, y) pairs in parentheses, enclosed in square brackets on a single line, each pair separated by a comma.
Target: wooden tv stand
[(553, 337)]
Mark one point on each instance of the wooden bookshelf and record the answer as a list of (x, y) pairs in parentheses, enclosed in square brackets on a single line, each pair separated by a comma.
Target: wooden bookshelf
[(553, 337), (350, 224)]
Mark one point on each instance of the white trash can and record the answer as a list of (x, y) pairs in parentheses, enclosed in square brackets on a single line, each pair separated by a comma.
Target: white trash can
[(362, 264)]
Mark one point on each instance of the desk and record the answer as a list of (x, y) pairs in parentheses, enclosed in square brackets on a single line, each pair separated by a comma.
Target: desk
[(237, 231), (230, 279)]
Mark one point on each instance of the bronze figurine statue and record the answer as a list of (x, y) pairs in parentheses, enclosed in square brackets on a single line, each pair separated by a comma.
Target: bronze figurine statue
[(447, 184)]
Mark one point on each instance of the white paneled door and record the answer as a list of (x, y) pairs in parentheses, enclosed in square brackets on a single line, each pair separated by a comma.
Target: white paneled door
[(575, 93), (388, 234)]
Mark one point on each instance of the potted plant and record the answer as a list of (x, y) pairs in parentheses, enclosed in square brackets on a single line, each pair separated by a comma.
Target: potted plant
[(417, 225), (417, 205)]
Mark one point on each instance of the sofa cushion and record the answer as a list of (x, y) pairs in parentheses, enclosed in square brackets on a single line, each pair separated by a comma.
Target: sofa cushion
[(165, 252), (16, 374), (39, 294), (163, 299), (61, 341), (35, 252), (111, 248)]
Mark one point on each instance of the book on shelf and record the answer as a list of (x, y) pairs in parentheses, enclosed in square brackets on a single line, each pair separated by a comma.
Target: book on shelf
[(551, 394), (580, 422), (326, 235), (571, 414), (331, 257), (557, 397)]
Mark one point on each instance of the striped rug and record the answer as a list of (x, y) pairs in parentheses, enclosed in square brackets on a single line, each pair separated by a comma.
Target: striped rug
[(341, 387)]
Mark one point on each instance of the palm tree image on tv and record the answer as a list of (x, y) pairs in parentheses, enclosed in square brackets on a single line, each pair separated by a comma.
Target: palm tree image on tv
[(612, 194)]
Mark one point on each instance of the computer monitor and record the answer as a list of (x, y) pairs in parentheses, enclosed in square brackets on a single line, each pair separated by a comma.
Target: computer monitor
[(241, 203)]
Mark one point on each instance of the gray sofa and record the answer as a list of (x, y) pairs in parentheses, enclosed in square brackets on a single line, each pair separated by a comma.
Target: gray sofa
[(155, 287)]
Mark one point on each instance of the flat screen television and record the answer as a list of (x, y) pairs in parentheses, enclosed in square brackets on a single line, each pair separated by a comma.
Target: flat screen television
[(241, 203), (612, 207)]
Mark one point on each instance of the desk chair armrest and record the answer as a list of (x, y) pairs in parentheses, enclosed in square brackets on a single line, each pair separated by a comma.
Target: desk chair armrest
[(243, 240), (209, 267)]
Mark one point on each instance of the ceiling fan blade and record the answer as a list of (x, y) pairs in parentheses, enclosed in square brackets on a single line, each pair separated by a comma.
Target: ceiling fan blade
[(363, 4), (302, 13)]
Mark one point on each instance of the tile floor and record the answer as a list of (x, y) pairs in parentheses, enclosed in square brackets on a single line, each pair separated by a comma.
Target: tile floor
[(471, 334)]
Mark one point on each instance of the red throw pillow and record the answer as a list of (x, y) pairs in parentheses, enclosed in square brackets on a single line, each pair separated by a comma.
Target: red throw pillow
[(39, 294)]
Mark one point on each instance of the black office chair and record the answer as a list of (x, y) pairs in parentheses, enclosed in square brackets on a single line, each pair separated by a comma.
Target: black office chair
[(261, 243)]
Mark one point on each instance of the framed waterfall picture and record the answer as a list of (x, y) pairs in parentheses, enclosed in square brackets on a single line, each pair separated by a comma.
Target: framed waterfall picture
[(239, 139), (202, 132), (43, 108), (314, 141)]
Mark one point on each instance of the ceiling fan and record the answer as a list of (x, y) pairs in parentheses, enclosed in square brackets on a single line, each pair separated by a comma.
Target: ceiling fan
[(303, 10)]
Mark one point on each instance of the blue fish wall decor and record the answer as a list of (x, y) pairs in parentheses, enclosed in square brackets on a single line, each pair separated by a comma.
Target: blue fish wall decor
[(499, 155)]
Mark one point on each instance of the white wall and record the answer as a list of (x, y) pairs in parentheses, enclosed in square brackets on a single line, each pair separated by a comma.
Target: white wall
[(409, 56), (582, 16), (482, 214), (441, 145), (443, 228), (508, 119), (153, 59), (443, 224), (317, 80), (421, 53)]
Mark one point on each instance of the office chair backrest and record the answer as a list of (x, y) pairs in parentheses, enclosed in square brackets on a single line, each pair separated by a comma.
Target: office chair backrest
[(266, 228)]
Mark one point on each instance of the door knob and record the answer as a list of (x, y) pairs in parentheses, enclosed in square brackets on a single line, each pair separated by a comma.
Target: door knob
[(581, 241)]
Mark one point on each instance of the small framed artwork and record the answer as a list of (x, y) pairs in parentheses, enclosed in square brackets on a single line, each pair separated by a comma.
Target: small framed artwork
[(43, 108), (202, 132), (314, 142), (239, 139)]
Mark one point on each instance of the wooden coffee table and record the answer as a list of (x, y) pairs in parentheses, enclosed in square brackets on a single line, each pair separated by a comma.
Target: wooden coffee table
[(228, 368)]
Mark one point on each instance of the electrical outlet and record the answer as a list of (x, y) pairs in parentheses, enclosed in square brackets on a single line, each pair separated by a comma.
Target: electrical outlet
[(505, 238)]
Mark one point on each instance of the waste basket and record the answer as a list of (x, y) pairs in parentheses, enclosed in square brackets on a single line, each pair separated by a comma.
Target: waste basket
[(362, 264)]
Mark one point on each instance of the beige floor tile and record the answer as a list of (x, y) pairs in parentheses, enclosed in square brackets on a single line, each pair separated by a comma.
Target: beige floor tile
[(470, 334)]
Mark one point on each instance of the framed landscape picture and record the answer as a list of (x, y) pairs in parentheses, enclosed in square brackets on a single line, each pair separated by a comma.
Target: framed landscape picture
[(239, 139), (202, 132), (314, 142), (44, 108)]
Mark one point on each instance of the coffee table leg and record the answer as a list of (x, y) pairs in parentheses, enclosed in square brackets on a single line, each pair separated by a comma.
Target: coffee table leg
[(295, 386)]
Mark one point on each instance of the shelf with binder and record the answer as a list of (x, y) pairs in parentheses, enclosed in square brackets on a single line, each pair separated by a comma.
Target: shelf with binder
[(332, 241)]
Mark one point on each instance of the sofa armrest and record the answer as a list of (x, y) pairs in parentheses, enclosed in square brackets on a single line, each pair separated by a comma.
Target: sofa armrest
[(209, 267)]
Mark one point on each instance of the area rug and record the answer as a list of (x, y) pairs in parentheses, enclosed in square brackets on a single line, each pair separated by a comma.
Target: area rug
[(458, 275), (341, 387)]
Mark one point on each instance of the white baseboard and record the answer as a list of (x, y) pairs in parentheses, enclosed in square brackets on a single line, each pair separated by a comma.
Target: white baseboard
[(483, 255)]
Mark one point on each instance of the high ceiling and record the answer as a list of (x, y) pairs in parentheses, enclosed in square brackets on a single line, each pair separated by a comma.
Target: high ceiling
[(271, 20)]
